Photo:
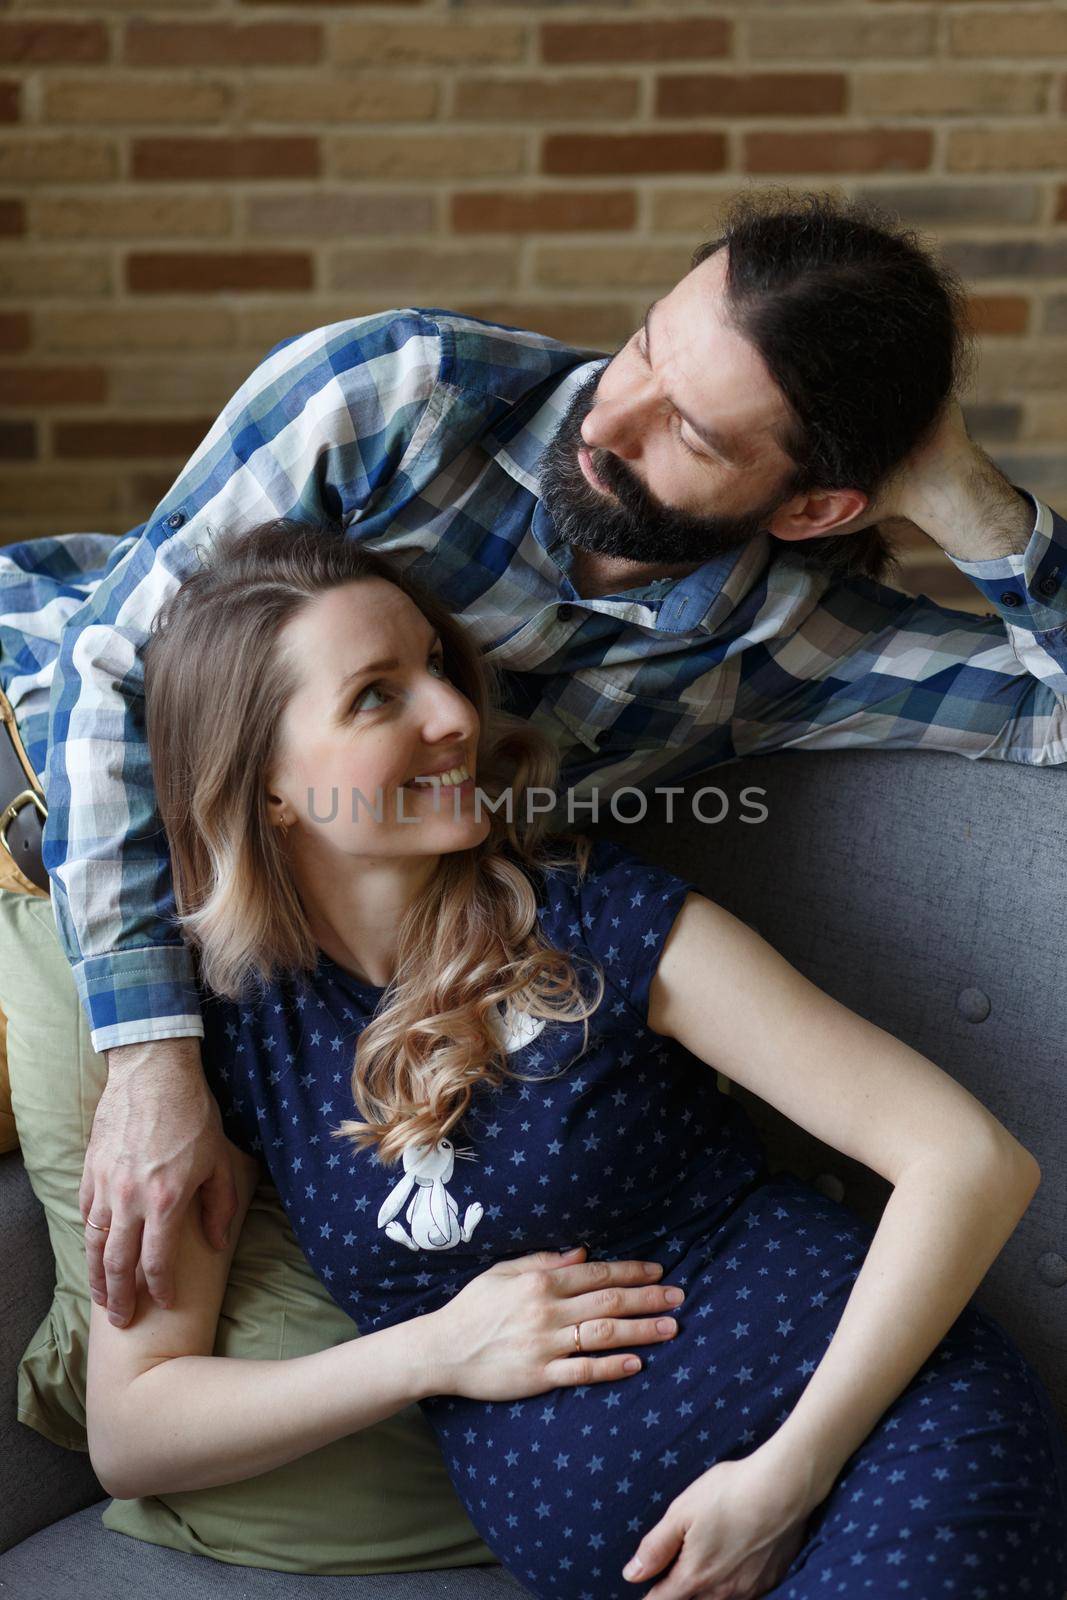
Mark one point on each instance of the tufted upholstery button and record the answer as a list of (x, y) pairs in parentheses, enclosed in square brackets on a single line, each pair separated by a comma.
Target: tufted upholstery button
[(829, 1184), (176, 519), (1050, 584), (1010, 598), (973, 1005), (1052, 1269)]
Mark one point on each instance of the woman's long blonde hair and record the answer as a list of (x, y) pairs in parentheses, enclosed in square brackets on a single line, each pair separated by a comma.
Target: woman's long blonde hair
[(469, 952)]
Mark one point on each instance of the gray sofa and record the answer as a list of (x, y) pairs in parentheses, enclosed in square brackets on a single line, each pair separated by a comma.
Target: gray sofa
[(923, 890)]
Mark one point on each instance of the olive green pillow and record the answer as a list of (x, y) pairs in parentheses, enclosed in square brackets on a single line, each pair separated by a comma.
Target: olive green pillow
[(376, 1501)]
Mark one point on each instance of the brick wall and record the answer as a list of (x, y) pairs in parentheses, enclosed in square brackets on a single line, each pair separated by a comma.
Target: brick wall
[(182, 184)]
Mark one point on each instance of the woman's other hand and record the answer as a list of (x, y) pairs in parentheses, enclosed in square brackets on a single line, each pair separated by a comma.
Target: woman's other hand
[(510, 1332), (733, 1533)]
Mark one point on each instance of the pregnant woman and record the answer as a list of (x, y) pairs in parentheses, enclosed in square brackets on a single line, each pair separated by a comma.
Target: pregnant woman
[(460, 1045)]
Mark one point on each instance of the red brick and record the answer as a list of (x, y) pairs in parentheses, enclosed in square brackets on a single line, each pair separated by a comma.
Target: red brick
[(568, 153), (1010, 31), (49, 386), (10, 108), (53, 41), (844, 150), (206, 272), (999, 313), (120, 438), (545, 97), (12, 217), (542, 212), (14, 330), (225, 158), (18, 440), (750, 94), (1008, 148), (662, 40), (222, 44)]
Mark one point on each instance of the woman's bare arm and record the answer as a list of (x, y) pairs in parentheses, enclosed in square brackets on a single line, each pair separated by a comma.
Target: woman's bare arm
[(962, 1181), (161, 1421), (165, 1415)]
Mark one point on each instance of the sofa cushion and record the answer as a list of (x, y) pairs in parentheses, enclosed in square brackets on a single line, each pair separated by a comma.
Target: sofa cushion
[(78, 1558), (378, 1500)]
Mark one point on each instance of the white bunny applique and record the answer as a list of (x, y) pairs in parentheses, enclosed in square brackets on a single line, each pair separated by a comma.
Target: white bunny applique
[(432, 1215)]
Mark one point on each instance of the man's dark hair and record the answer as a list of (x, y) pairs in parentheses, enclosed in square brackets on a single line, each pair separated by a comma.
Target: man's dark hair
[(862, 330)]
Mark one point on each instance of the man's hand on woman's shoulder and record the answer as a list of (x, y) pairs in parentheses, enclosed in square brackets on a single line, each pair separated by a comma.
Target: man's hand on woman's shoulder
[(157, 1139)]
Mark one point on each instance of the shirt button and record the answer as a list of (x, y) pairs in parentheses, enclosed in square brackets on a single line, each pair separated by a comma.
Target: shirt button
[(603, 736), (175, 519), (563, 612), (1048, 585), (1010, 598)]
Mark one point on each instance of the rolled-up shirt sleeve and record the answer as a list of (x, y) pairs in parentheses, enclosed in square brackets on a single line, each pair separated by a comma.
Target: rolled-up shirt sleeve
[(1029, 592)]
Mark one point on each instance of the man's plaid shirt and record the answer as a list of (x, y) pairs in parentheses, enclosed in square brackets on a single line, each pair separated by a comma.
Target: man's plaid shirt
[(421, 431)]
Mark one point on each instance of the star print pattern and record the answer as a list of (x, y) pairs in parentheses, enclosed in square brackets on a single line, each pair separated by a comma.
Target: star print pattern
[(631, 1148)]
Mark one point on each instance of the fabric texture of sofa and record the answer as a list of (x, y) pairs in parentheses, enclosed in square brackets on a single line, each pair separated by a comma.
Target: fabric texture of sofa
[(921, 889)]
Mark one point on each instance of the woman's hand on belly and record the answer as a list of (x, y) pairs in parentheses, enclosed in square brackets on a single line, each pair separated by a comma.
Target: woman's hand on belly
[(734, 1530), (510, 1332)]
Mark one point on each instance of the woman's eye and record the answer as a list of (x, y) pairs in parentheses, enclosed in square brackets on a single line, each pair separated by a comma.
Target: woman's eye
[(359, 703)]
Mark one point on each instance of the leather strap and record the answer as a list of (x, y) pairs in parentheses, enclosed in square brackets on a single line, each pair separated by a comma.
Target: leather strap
[(22, 804)]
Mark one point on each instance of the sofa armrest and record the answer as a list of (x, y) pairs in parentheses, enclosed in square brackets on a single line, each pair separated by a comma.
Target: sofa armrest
[(40, 1482)]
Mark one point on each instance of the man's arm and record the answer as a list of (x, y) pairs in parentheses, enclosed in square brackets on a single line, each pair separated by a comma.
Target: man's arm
[(321, 423), (1011, 546), (879, 669)]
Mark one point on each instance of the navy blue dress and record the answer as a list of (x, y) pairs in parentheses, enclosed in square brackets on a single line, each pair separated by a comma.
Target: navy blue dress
[(961, 1488)]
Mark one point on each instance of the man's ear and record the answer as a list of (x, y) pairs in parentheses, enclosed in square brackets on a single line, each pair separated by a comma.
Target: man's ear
[(818, 512)]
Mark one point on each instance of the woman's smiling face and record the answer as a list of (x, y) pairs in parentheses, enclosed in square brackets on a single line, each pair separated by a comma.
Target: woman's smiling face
[(373, 709)]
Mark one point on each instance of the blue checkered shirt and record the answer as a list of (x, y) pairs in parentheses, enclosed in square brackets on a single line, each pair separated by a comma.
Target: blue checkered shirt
[(421, 431)]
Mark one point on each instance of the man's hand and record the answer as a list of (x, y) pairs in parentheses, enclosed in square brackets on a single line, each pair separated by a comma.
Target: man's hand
[(949, 488), (157, 1138)]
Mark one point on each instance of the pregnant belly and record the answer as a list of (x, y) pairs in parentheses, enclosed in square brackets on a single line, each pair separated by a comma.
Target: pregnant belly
[(563, 1485)]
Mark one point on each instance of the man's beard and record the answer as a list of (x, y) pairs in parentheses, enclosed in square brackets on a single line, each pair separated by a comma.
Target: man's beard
[(628, 525)]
